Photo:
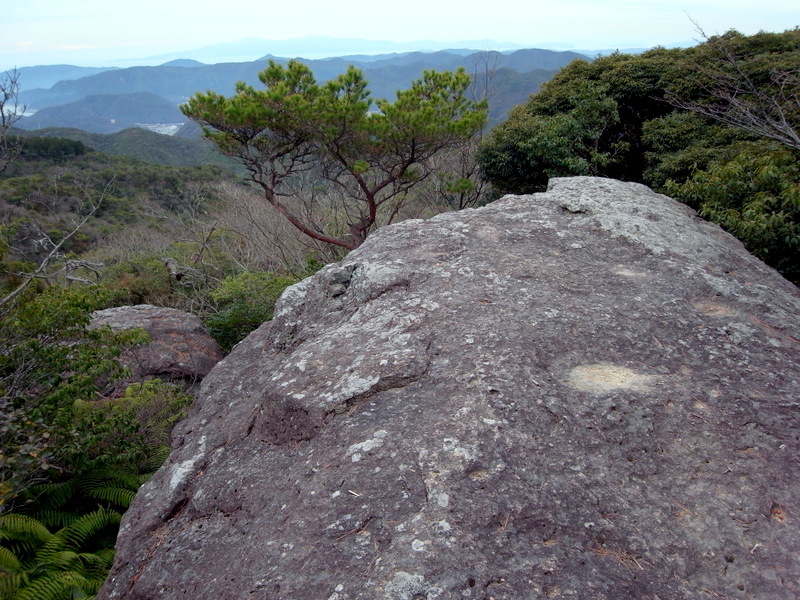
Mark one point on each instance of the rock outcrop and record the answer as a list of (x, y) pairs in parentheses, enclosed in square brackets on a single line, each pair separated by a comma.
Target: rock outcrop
[(584, 393), (180, 347)]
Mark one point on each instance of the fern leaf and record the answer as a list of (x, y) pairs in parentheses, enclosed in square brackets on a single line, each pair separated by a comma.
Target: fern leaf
[(119, 496), (9, 584), (9, 563), (54, 495), (55, 519), (14, 526), (106, 555), (87, 526), (56, 586), (22, 534), (63, 560)]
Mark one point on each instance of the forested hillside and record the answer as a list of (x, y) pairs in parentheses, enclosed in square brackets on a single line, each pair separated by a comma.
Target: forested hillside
[(716, 126), (146, 146)]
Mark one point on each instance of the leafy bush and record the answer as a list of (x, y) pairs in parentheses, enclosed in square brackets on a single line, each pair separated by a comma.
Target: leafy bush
[(60, 541), (244, 302), (752, 191), (691, 123), (49, 359), (55, 149), (133, 430), (142, 280)]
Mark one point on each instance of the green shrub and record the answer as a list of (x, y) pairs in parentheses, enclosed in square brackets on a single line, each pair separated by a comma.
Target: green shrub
[(244, 302), (59, 542), (752, 191), (49, 359), (133, 430)]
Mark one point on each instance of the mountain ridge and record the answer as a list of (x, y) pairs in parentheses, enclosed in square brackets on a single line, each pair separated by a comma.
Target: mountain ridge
[(517, 75)]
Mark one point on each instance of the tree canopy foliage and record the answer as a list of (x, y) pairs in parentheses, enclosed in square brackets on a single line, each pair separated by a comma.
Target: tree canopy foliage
[(715, 126), (369, 153)]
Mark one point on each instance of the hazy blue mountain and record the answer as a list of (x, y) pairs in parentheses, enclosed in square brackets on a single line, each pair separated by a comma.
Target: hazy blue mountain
[(177, 83), (316, 47), (152, 94), (47, 76), (106, 113), (184, 62), (532, 59)]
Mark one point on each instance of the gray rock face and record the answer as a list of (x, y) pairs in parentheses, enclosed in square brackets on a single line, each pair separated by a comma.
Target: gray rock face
[(585, 393), (180, 346)]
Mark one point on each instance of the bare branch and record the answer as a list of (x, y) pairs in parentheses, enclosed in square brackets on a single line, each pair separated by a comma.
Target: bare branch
[(55, 252), (11, 111), (770, 110)]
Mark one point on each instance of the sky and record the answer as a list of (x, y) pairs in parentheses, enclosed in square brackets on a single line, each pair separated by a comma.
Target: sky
[(110, 33)]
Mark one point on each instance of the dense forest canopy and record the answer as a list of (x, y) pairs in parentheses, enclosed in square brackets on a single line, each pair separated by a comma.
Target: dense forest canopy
[(715, 126)]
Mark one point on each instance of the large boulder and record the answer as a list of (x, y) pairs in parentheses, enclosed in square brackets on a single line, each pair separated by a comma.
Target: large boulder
[(584, 393), (180, 346)]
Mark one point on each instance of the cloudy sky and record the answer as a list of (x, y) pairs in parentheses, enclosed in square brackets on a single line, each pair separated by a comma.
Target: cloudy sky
[(106, 33)]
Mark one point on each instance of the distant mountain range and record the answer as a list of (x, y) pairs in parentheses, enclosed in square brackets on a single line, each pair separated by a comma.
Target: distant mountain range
[(108, 100), (316, 47)]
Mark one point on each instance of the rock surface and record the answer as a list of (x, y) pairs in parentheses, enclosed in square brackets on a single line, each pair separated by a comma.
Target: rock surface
[(585, 393), (180, 346)]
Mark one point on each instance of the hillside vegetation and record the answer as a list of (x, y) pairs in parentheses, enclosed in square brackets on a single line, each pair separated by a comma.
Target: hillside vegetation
[(715, 126), (145, 146)]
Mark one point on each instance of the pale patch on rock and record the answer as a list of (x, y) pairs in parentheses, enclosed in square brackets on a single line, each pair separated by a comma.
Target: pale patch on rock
[(628, 272), (714, 309), (465, 451), (601, 377), (182, 469)]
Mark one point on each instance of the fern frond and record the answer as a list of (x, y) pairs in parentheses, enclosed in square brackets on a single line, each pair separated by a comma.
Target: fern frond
[(22, 534), (154, 462), (127, 480), (56, 586), (118, 496), (9, 584), (93, 586), (53, 546), (87, 526), (106, 556), (14, 526), (55, 519), (53, 495), (63, 560), (89, 559), (9, 563), (92, 479)]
